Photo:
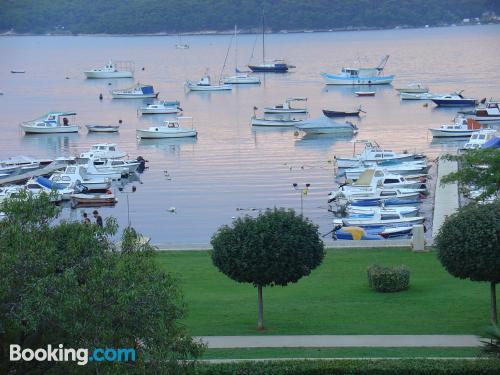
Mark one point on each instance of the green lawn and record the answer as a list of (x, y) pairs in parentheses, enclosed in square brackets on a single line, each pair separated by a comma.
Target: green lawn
[(334, 299), (258, 353)]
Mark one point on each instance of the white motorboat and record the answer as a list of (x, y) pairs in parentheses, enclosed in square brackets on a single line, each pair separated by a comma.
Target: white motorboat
[(286, 106), (479, 138), (52, 122), (324, 125), (104, 151), (39, 185), (138, 91), (486, 113), (113, 69), (380, 219), (413, 167), (372, 152), (20, 164), (359, 76), (94, 128), (75, 175), (417, 96), (383, 178), (262, 121), (124, 166), (413, 88), (407, 211), (168, 129), (92, 171), (161, 107), (205, 84), (93, 200), (461, 127), (375, 196)]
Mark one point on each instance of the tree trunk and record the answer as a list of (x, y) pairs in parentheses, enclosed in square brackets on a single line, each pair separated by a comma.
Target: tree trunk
[(260, 323), (493, 303)]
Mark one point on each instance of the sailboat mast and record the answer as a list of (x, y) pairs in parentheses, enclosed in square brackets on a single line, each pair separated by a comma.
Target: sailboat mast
[(263, 42), (235, 48)]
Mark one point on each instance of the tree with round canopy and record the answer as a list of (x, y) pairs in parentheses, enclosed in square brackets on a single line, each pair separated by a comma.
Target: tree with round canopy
[(277, 247)]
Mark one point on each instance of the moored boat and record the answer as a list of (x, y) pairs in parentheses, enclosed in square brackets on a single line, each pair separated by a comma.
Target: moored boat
[(113, 69), (263, 121), (417, 96), (286, 107), (332, 113), (93, 200), (104, 151), (205, 84), (479, 138), (413, 88), (95, 128), (138, 91), (161, 107), (359, 76), (52, 122), (76, 175), (365, 93), (486, 113), (326, 126), (453, 100), (461, 127), (168, 129)]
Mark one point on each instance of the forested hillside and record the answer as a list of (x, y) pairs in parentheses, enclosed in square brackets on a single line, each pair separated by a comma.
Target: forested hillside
[(177, 16)]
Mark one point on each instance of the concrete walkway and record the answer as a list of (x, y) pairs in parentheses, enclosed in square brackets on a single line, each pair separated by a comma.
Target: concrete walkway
[(340, 341), (446, 197)]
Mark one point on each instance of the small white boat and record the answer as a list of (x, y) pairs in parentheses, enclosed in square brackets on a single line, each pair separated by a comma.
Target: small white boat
[(407, 211), (413, 88), (122, 166), (104, 151), (93, 172), (75, 175), (113, 69), (405, 168), (93, 200), (385, 179), (94, 128), (461, 127), (360, 76), (52, 122), (182, 46), (255, 121), (380, 219), (241, 78), (20, 164), (161, 107), (168, 129), (38, 185), (138, 91), (286, 106), (372, 152), (416, 96), (479, 138), (325, 126), (205, 84)]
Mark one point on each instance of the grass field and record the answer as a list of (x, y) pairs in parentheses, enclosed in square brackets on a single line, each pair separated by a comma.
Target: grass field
[(334, 299)]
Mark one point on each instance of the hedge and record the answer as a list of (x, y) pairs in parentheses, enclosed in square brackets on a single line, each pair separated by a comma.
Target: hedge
[(388, 279), (354, 367)]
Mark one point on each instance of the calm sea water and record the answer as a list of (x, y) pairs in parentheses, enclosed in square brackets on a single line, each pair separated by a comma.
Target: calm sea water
[(232, 169)]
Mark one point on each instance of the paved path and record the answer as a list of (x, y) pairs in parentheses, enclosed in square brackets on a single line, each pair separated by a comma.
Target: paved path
[(446, 197), (339, 341)]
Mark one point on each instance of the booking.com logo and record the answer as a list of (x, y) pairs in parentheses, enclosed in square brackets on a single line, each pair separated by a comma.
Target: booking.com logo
[(80, 356)]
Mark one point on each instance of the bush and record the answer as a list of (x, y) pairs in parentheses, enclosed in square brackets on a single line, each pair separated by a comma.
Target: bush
[(354, 367), (388, 279)]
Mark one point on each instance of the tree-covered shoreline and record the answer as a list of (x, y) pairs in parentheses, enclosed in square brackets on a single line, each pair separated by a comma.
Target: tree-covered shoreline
[(149, 17)]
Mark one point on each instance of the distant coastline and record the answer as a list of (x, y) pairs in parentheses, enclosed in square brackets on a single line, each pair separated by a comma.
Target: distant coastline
[(250, 31)]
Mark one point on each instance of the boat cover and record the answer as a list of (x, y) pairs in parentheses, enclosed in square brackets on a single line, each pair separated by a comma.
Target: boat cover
[(492, 143), (147, 89), (355, 234), (49, 184)]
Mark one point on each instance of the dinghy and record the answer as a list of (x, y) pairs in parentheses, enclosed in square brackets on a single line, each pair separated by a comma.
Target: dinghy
[(93, 128), (331, 113), (93, 200), (256, 121), (365, 93), (325, 126)]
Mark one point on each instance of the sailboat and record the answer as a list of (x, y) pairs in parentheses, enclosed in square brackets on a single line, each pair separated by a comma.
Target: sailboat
[(181, 45), (275, 66), (240, 77)]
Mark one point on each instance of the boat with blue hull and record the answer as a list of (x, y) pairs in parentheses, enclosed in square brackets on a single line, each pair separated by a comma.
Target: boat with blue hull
[(359, 76), (454, 100)]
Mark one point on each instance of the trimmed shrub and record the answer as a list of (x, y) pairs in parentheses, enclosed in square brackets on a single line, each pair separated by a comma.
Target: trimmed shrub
[(354, 367), (388, 279)]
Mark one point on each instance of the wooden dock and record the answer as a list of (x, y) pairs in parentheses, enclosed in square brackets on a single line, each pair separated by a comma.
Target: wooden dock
[(48, 169)]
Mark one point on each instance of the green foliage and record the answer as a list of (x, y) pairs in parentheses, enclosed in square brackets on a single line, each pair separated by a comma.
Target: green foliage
[(153, 16), (479, 169), (354, 367), (491, 346), (468, 242), (388, 279), (66, 283), (276, 248)]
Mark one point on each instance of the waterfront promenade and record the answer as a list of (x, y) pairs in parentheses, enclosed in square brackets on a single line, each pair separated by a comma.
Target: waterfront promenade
[(446, 199)]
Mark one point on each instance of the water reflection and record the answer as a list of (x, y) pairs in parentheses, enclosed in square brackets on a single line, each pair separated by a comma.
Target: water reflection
[(55, 144), (321, 141), (172, 146)]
